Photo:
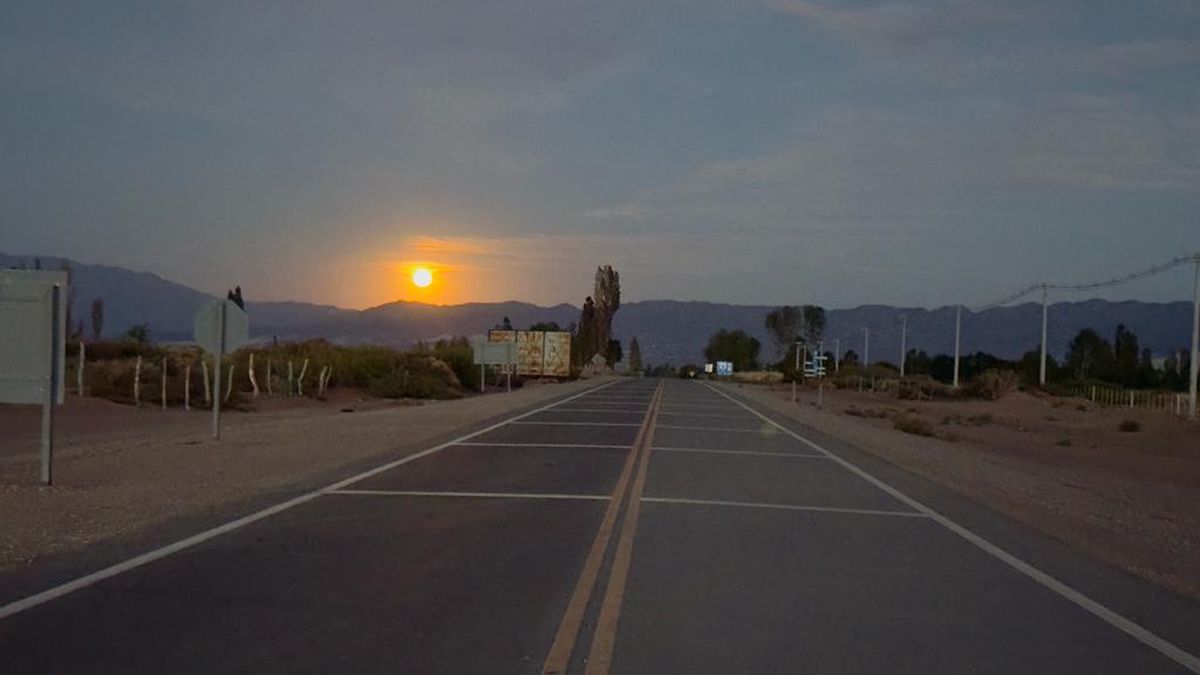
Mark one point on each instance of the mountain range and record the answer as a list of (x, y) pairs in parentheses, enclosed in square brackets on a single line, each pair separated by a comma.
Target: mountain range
[(669, 331)]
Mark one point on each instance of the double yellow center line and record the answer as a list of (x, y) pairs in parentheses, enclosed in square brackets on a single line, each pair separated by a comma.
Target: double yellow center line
[(600, 657)]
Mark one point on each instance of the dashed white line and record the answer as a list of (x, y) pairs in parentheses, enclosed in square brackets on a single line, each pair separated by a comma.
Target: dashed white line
[(1112, 618), (80, 583), (465, 495), (797, 455), (546, 445), (755, 430), (535, 423), (782, 507)]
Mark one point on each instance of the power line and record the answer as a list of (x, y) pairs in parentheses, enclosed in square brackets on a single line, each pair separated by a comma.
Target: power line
[(1117, 281)]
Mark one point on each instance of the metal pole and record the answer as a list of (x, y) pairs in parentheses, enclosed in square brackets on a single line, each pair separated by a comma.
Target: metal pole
[(819, 365), (837, 355), (50, 393), (216, 402), (1195, 369), (1045, 313), (796, 374), (482, 378), (903, 343), (866, 347), (957, 340)]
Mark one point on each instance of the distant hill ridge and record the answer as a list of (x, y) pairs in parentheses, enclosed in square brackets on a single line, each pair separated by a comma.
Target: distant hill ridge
[(669, 331)]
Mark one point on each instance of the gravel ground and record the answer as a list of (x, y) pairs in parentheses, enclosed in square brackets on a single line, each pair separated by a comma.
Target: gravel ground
[(120, 469), (1058, 465)]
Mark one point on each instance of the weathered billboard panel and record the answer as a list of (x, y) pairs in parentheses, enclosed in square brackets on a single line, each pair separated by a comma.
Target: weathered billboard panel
[(539, 353), (558, 354)]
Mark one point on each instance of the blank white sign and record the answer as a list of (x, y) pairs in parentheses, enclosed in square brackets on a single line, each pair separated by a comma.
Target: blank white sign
[(26, 333)]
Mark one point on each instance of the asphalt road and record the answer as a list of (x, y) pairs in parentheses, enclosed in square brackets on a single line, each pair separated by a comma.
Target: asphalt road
[(643, 527)]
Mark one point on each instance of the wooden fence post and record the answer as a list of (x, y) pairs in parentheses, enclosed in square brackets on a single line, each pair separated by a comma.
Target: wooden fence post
[(164, 383), (300, 379), (82, 359), (229, 388), (290, 379), (187, 386), (269, 377), (137, 382), (204, 371), (253, 381)]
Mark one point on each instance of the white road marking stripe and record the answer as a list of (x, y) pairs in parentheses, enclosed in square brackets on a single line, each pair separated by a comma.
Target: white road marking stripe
[(1168, 649), (545, 445), (535, 423), (629, 411), (669, 406), (782, 507), (79, 583), (479, 495), (797, 455), (756, 430), (706, 415)]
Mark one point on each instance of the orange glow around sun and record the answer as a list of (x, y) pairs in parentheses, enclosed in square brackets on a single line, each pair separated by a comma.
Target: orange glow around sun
[(422, 277)]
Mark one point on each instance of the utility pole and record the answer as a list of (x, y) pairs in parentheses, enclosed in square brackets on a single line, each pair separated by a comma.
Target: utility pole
[(796, 374), (1045, 313), (957, 336), (1195, 369), (903, 343)]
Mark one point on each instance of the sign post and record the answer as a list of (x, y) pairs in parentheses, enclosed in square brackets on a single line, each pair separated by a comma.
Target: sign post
[(218, 327), (32, 347)]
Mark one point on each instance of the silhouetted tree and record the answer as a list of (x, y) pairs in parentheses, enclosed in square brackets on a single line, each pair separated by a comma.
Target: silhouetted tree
[(585, 339), (614, 353), (139, 333), (736, 346), (635, 356), (812, 324), (783, 324), (1090, 356), (607, 298), (548, 326), (97, 318)]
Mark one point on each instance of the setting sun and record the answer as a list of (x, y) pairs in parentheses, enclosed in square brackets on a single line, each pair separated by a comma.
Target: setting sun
[(422, 277)]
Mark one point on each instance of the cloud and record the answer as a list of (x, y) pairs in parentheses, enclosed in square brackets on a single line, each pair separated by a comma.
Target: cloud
[(903, 24)]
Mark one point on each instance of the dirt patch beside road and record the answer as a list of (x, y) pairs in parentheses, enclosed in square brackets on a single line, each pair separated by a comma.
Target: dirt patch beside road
[(1059, 465), (120, 469)]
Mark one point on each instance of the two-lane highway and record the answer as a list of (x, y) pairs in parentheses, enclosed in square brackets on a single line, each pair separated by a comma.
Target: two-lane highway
[(642, 527)]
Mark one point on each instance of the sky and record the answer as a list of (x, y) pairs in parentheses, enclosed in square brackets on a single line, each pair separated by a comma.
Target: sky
[(748, 151)]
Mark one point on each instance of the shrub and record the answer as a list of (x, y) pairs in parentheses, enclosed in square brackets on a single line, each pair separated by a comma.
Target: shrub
[(911, 424), (994, 384), (1130, 426), (1064, 443)]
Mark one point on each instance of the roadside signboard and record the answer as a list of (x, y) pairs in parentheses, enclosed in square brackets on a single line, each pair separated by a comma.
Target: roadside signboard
[(724, 368), (33, 345), (219, 327), (206, 326), (539, 353), (708, 368)]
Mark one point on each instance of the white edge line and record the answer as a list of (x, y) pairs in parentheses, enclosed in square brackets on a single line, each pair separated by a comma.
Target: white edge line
[(604, 446), (757, 430), (798, 455), (1168, 649), (536, 423), (69, 587), (783, 507), (480, 495)]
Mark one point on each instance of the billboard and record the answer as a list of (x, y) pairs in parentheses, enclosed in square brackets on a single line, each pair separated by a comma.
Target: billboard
[(539, 353), (31, 334)]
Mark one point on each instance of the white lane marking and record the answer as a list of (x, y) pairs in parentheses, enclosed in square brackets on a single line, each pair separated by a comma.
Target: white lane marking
[(707, 416), (472, 495), (536, 423), (798, 455), (545, 445), (79, 583), (669, 406), (782, 507), (688, 427), (1112, 618), (629, 411)]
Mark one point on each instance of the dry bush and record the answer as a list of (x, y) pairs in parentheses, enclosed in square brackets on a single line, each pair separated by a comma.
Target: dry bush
[(865, 412), (1129, 426), (994, 384), (911, 424)]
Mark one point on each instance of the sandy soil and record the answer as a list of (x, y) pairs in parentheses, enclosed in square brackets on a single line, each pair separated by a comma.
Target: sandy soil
[(120, 469), (1058, 465)]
